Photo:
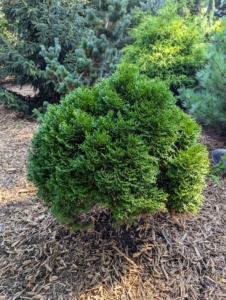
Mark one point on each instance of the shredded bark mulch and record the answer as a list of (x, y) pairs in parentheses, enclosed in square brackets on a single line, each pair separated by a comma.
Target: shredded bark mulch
[(162, 258)]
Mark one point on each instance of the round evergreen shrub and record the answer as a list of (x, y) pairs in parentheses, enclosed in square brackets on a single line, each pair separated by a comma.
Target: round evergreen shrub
[(123, 144)]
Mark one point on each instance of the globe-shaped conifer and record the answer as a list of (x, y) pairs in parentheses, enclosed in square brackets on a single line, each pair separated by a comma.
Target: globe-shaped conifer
[(123, 144)]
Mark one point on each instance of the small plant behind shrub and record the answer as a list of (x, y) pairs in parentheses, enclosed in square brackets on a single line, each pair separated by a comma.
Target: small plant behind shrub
[(123, 144)]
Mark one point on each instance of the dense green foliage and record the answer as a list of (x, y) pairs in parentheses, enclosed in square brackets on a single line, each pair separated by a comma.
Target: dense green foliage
[(12, 99), (168, 46), (207, 103), (58, 45), (98, 53), (3, 33), (3, 24), (35, 23), (123, 144), (147, 6)]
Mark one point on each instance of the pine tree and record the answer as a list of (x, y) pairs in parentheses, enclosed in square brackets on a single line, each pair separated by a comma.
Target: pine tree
[(99, 51), (37, 23), (150, 6), (60, 45), (208, 102), (3, 33)]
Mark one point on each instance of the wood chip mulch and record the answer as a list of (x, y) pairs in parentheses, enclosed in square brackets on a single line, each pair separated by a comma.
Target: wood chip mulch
[(15, 136), (164, 258)]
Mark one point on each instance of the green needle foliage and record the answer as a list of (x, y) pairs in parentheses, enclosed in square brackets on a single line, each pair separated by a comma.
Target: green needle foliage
[(99, 52), (123, 144), (207, 103), (34, 23), (168, 46), (58, 45)]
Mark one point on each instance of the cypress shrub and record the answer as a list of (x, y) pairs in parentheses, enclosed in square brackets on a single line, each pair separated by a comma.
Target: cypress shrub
[(168, 46), (123, 144)]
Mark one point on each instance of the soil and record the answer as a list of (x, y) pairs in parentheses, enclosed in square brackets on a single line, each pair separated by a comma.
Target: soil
[(159, 258), (26, 90)]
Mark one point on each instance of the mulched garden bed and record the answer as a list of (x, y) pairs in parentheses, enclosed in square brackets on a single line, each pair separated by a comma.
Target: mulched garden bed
[(162, 258)]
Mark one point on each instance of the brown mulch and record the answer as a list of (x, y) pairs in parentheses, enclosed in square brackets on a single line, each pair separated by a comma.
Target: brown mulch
[(15, 136), (167, 258)]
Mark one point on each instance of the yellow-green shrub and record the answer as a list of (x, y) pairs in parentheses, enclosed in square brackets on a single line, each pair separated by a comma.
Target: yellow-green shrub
[(168, 46)]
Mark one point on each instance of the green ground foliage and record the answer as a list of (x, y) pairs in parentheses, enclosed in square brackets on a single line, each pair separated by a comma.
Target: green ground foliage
[(123, 144), (169, 46), (207, 102)]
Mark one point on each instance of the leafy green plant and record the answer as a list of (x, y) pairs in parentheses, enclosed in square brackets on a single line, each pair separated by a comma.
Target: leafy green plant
[(218, 170), (220, 167), (168, 46), (123, 144)]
